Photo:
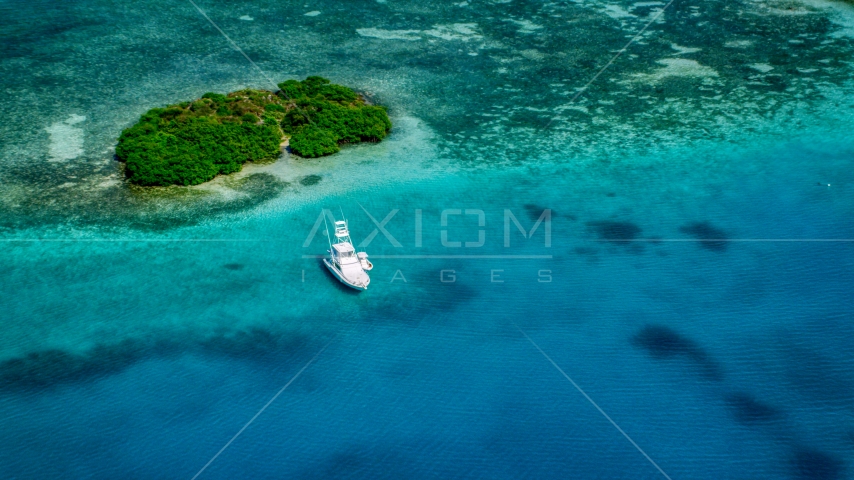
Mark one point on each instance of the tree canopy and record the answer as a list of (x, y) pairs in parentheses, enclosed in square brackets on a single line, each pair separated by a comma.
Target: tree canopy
[(191, 142), (326, 115)]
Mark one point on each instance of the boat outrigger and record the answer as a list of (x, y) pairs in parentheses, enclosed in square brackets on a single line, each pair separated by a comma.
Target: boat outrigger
[(348, 266)]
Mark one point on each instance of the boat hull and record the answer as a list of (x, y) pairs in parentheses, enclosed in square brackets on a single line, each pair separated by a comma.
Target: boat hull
[(337, 273)]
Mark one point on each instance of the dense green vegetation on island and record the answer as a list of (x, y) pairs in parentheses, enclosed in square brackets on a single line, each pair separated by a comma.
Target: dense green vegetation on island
[(192, 142), (327, 115)]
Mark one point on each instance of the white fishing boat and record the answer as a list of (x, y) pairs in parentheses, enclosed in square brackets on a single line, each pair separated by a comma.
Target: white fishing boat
[(348, 266)]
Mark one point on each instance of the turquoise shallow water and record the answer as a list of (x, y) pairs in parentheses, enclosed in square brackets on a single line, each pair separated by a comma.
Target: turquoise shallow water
[(142, 330)]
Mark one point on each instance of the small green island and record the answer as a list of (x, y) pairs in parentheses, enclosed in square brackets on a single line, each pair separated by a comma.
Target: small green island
[(192, 142)]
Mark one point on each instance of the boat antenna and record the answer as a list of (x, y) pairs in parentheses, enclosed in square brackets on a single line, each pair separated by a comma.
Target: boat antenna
[(345, 222), (326, 226)]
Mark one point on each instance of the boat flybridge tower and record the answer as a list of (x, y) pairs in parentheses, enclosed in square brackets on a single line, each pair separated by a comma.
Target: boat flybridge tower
[(348, 266)]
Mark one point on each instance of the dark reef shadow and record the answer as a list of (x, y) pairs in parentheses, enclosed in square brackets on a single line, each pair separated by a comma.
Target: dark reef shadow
[(747, 410), (710, 237), (233, 266), (363, 463), (47, 368), (50, 368), (535, 211), (812, 464), (310, 180), (618, 233), (662, 343), (612, 231)]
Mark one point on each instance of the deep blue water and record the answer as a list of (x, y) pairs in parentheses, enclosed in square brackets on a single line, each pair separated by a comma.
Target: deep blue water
[(701, 257)]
